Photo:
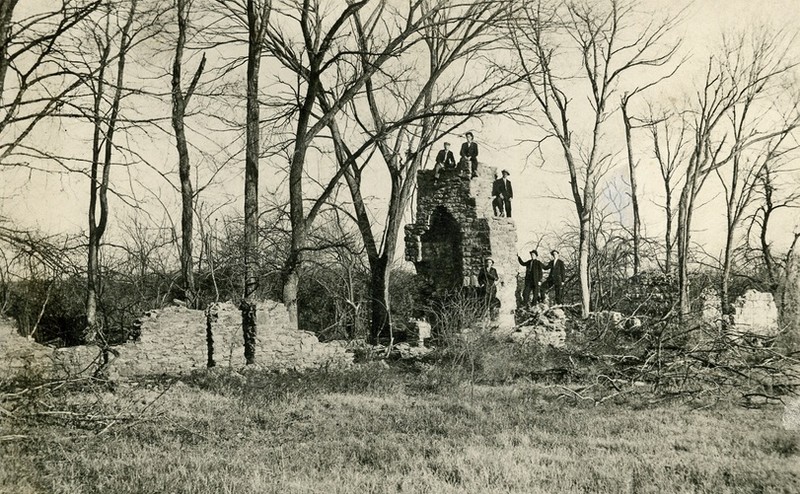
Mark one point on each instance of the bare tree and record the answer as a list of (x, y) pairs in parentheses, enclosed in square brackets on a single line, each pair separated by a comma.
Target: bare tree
[(669, 147), (736, 90), (407, 112), (180, 100), (330, 58), (740, 184), (112, 34), (628, 124), (33, 82), (770, 196), (610, 44)]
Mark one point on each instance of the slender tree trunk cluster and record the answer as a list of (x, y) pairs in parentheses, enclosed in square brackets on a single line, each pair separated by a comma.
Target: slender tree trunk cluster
[(180, 100)]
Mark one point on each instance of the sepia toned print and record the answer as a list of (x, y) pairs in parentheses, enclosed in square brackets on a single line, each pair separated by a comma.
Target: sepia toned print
[(431, 246)]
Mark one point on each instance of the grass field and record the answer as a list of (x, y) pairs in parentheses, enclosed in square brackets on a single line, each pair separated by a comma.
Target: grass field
[(373, 429)]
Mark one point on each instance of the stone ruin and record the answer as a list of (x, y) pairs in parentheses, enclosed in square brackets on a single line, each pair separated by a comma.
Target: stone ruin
[(455, 231), (754, 313), (544, 326), (174, 340)]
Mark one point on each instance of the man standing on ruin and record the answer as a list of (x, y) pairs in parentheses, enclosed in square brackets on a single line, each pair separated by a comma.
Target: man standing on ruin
[(502, 192), (556, 277), (534, 272), (497, 202), (444, 159), (487, 282), (469, 154)]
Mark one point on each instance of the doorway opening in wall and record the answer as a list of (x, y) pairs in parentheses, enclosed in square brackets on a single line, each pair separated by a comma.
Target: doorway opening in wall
[(442, 252)]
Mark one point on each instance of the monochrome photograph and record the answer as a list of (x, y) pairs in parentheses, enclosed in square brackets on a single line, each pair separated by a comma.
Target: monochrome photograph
[(399, 246)]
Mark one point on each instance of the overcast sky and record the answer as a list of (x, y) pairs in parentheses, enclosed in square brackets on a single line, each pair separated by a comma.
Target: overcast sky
[(57, 203)]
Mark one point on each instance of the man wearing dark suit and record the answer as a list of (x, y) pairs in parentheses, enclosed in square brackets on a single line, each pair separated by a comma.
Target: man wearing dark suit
[(487, 282), (444, 159), (533, 278), (502, 193), (469, 154), (556, 277)]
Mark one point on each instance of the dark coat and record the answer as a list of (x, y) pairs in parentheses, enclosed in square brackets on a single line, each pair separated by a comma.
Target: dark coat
[(446, 158), (469, 150), (487, 278), (534, 270), (502, 187), (558, 272)]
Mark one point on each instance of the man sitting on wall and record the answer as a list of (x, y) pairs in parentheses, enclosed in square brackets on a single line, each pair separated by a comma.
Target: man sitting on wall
[(469, 155), (444, 159)]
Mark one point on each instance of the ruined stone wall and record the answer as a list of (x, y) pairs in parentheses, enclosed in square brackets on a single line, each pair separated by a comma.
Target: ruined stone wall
[(20, 357), (755, 312), (173, 340), (480, 234)]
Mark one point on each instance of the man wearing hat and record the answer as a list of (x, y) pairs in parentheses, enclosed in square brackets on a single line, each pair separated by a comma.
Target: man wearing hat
[(502, 193), (444, 159), (469, 155), (556, 277), (497, 202), (487, 283), (534, 271)]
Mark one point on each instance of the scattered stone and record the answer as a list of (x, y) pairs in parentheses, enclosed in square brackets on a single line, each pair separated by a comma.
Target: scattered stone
[(407, 352), (419, 330), (608, 318), (542, 326)]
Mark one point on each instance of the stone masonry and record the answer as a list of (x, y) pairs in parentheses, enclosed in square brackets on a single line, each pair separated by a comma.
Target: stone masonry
[(755, 312), (173, 340), (455, 231)]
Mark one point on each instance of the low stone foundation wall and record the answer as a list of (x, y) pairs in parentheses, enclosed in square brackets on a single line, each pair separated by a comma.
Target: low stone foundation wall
[(173, 340), (21, 357)]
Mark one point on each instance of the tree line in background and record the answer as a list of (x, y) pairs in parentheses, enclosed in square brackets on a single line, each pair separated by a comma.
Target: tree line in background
[(343, 95)]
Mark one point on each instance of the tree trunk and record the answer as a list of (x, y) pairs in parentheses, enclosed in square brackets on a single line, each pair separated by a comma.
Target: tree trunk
[(766, 251), (291, 283), (726, 272), (92, 279), (583, 265), (684, 220), (634, 197), (6, 14), (248, 306), (296, 210), (379, 291), (179, 102), (668, 232)]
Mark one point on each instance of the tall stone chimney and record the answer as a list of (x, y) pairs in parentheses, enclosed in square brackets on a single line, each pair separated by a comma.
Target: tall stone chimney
[(455, 231)]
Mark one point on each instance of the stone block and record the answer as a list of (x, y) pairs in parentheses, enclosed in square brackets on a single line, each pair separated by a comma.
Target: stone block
[(755, 312)]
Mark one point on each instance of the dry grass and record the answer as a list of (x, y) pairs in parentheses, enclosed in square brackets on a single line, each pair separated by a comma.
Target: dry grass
[(383, 430)]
